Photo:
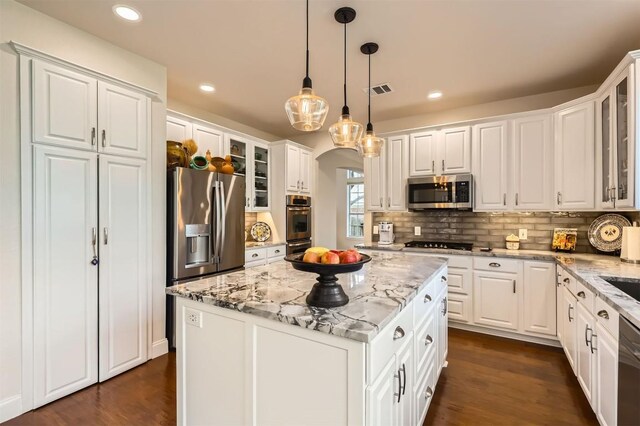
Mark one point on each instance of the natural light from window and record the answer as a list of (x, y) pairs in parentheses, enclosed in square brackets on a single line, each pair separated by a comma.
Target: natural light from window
[(355, 204)]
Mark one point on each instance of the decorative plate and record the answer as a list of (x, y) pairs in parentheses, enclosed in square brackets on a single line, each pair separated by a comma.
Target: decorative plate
[(260, 232), (605, 233)]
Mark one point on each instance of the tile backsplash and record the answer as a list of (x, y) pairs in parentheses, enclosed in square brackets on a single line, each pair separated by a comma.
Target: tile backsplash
[(483, 229), (249, 220)]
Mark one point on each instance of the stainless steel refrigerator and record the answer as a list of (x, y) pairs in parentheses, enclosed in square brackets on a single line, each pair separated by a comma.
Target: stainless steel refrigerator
[(205, 227)]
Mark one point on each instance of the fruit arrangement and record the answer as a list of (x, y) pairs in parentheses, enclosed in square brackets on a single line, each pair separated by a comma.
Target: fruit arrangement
[(331, 257)]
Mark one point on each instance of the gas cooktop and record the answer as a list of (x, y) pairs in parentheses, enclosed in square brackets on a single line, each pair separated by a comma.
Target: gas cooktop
[(450, 245)]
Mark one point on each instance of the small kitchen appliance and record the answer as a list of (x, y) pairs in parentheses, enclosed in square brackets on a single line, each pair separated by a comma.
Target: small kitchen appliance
[(440, 192), (385, 230), (630, 251)]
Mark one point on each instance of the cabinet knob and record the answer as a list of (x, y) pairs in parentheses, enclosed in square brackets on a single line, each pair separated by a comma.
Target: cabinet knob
[(428, 393), (566, 280), (398, 333), (254, 255), (603, 314), (581, 294), (277, 251), (443, 279), (427, 298), (428, 340), (494, 265)]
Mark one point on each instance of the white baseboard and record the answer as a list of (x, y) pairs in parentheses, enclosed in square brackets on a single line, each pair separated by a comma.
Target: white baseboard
[(548, 341), (159, 348), (10, 407)]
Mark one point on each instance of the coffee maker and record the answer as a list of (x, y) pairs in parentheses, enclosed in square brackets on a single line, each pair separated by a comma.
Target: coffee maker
[(386, 233)]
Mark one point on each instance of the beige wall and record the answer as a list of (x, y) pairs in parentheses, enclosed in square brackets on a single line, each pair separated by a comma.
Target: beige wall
[(26, 26)]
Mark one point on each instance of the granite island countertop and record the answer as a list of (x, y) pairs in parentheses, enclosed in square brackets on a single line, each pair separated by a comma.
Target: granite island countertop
[(378, 292), (586, 268)]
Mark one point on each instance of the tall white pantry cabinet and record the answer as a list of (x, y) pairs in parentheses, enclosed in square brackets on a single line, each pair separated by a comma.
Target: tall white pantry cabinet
[(85, 179)]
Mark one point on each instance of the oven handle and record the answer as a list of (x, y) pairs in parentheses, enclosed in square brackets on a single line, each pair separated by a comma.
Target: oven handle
[(299, 209), (304, 243)]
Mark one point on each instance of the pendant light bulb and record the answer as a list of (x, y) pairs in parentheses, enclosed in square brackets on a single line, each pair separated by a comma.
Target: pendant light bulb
[(306, 111), (345, 133), (371, 145)]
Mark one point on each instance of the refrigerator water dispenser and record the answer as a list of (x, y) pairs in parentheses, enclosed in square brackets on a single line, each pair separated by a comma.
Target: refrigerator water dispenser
[(198, 244)]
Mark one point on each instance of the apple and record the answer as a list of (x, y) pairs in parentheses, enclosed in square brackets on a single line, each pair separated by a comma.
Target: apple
[(357, 254), (311, 257), (330, 258), (336, 251), (348, 257)]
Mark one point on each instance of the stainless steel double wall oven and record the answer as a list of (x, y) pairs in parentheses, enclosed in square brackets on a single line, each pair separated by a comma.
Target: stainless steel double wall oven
[(298, 223)]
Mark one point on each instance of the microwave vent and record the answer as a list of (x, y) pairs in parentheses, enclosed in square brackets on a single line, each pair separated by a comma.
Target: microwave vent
[(379, 89)]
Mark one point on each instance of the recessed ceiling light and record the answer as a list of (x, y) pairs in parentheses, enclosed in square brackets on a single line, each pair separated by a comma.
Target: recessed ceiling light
[(435, 94), (206, 87), (127, 13)]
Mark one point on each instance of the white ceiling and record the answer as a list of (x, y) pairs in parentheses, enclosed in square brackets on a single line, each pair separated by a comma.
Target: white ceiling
[(475, 51)]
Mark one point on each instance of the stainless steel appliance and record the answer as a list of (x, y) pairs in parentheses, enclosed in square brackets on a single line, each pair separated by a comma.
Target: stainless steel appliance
[(385, 231), (628, 374), (440, 192), (205, 226), (298, 223), (449, 245)]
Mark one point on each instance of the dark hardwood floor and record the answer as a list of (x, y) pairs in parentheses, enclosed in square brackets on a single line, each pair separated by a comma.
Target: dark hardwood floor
[(489, 381)]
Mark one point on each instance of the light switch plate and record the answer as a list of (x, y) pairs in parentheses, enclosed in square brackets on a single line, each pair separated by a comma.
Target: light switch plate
[(522, 233), (375, 230), (193, 317), (417, 231)]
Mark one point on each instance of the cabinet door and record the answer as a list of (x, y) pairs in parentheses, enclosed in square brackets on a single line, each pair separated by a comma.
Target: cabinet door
[(123, 121), (604, 152), (490, 166), (375, 183), (261, 170), (123, 264), (495, 301), (65, 289), (305, 171), (178, 130), (532, 163), (560, 318), (574, 157), (606, 407), (624, 141), (539, 297), (407, 371), (397, 162), (64, 107), (454, 150), (208, 139), (569, 342), (586, 358), (382, 397), (293, 168), (422, 153)]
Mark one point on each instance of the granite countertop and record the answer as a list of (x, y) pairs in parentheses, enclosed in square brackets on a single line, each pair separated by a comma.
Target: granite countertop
[(255, 244), (586, 268), (378, 292)]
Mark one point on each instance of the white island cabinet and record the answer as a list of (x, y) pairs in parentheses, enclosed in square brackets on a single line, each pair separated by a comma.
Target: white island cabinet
[(263, 357)]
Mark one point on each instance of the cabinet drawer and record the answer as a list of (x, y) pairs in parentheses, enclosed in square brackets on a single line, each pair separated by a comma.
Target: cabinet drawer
[(569, 281), (425, 341), (459, 307), (585, 296), (255, 254), (607, 316), (276, 251), (423, 303), (388, 342), (271, 260), (425, 390), (255, 263), (459, 280), (465, 262), (496, 264)]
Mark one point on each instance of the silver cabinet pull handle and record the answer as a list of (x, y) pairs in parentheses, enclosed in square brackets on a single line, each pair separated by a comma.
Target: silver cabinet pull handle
[(591, 347), (442, 166), (389, 202), (586, 333), (399, 394), (559, 198), (427, 298), (504, 199), (428, 340), (566, 280), (581, 294), (404, 378), (514, 286), (380, 201), (106, 236), (445, 307), (254, 255), (277, 251), (93, 136), (494, 265), (104, 138), (433, 166), (429, 393), (516, 198), (569, 313), (603, 314), (94, 259), (398, 333)]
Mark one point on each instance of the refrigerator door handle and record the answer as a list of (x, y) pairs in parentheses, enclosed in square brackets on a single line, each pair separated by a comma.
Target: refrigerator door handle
[(222, 224), (216, 223)]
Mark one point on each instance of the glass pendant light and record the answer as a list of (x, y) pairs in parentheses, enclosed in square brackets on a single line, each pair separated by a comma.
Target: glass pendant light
[(346, 133), (370, 145), (306, 111)]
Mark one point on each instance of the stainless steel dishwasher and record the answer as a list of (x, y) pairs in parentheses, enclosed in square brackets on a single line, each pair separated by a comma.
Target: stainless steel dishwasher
[(628, 374)]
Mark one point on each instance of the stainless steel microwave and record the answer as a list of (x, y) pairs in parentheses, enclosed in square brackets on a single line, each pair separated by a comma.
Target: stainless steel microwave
[(440, 192)]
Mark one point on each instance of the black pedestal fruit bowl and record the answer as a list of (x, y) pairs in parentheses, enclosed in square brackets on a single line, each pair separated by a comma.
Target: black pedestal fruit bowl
[(327, 292)]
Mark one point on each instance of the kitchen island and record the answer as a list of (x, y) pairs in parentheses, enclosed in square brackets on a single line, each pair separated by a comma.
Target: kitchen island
[(250, 351)]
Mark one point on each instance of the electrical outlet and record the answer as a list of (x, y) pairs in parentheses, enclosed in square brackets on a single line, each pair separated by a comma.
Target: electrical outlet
[(193, 317), (375, 230), (522, 233), (417, 231)]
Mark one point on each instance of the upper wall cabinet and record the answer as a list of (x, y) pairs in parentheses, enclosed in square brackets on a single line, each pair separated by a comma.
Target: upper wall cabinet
[(616, 144), (209, 139), (375, 182), (446, 151), (574, 157), (77, 111), (178, 129), (251, 160), (298, 169), (397, 161), (490, 166)]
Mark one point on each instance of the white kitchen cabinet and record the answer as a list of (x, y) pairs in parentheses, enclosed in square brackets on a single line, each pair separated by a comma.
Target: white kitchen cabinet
[(123, 121), (585, 355), (298, 169), (569, 330), (65, 107), (252, 160), (532, 163), (259, 256), (305, 171), (495, 299), (208, 139), (606, 381), (381, 397), (406, 369), (375, 183), (490, 169), (397, 152), (574, 155), (440, 152), (178, 129), (539, 297), (122, 242), (65, 292)]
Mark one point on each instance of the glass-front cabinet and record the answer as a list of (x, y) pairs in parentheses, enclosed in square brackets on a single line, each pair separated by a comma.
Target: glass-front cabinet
[(250, 160), (616, 144), (260, 177)]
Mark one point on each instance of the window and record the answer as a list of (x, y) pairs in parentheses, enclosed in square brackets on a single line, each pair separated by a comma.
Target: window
[(355, 204)]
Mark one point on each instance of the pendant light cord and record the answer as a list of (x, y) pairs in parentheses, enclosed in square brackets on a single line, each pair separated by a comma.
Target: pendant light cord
[(369, 107), (307, 38), (345, 67)]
